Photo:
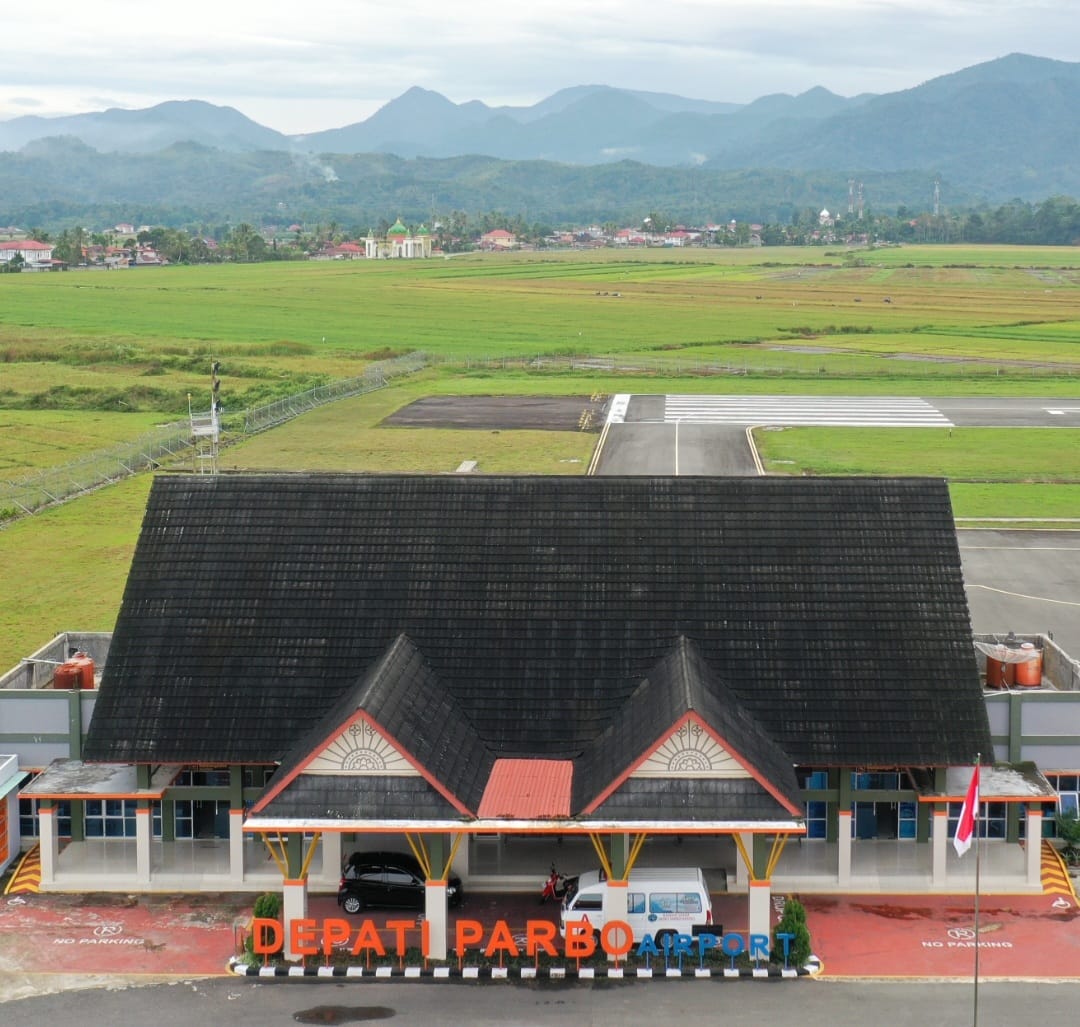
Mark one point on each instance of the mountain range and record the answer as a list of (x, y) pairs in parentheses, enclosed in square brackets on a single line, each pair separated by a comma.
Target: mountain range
[(996, 131)]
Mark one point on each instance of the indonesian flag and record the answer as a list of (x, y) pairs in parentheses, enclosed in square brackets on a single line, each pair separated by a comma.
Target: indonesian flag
[(969, 816)]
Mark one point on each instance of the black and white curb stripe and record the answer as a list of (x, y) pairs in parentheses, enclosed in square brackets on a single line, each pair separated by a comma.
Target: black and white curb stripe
[(524, 973)]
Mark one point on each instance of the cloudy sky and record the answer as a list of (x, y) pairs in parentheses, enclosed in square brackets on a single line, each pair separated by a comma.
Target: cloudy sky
[(308, 66)]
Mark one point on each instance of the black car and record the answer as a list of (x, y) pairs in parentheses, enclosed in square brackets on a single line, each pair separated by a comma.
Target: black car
[(392, 879)]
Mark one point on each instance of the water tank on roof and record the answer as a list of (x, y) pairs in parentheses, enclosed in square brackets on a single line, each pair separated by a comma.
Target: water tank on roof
[(76, 672), (1029, 672)]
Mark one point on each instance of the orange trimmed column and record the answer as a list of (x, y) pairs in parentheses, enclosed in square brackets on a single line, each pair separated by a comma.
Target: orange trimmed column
[(1033, 846), (48, 841), (236, 846), (843, 847), (940, 844), (143, 831), (615, 906), (294, 906), (760, 920), (436, 916)]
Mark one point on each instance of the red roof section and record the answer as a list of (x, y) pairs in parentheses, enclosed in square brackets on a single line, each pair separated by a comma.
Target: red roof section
[(24, 244), (527, 790)]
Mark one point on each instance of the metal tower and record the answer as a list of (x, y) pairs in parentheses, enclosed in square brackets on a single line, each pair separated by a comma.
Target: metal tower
[(206, 427)]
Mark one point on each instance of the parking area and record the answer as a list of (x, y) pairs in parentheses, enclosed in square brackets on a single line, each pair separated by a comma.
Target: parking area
[(871, 936)]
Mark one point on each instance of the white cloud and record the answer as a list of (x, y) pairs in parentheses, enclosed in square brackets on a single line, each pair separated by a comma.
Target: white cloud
[(308, 67)]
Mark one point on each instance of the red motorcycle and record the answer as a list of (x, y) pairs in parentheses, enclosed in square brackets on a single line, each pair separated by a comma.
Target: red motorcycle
[(555, 886)]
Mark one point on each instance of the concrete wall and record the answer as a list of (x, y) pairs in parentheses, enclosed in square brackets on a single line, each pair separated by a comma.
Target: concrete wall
[(36, 670)]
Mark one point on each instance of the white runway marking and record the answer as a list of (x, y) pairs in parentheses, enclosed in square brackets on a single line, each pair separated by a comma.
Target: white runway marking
[(831, 411)]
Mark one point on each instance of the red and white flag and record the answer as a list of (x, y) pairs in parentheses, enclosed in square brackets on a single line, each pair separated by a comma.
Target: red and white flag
[(969, 816)]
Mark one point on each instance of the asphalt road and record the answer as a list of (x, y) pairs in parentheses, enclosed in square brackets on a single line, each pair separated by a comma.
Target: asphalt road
[(241, 1003), (1024, 581), (994, 412)]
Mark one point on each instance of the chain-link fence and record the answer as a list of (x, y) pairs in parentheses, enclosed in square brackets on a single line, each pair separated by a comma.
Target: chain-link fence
[(172, 443)]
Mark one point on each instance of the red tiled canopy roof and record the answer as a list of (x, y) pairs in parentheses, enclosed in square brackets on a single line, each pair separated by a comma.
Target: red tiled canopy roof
[(527, 789)]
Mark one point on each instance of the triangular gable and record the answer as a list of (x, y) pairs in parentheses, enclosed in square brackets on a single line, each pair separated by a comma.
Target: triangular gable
[(710, 736), (361, 749), (361, 735), (692, 750)]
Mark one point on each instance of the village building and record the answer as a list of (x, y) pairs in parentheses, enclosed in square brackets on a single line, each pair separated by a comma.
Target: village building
[(37, 256), (399, 243)]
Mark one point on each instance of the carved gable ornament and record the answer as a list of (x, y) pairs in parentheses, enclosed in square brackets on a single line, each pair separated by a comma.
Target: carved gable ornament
[(690, 751), (361, 750)]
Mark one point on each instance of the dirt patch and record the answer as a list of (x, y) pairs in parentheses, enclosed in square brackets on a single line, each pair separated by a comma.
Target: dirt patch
[(509, 413)]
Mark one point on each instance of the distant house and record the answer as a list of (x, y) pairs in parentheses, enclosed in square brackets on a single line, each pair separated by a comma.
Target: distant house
[(344, 251), (36, 255), (124, 228), (498, 239)]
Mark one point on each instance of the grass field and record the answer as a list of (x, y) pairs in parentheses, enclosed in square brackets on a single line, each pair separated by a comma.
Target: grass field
[(90, 359)]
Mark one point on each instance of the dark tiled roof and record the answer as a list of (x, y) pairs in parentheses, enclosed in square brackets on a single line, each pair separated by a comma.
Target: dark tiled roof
[(688, 799), (680, 683), (834, 609), (404, 698), (360, 798)]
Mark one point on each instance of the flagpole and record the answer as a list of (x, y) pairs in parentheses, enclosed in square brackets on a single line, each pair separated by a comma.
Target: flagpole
[(978, 847)]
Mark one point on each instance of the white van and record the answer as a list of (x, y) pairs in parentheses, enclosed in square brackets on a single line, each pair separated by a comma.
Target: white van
[(660, 901)]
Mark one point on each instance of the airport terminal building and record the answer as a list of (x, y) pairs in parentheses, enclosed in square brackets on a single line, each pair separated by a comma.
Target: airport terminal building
[(771, 678)]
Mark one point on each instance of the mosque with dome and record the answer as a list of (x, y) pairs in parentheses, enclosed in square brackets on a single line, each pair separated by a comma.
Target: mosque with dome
[(399, 242)]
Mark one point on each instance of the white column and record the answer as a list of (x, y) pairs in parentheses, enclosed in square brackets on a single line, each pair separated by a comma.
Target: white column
[(843, 847), (236, 845), (293, 907), (49, 843), (940, 841), (1033, 850), (143, 825), (436, 916), (330, 873), (761, 908), (615, 896), (461, 860)]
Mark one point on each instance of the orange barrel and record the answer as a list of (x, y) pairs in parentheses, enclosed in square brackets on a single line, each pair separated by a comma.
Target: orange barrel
[(999, 674), (76, 672), (66, 676), (1029, 673)]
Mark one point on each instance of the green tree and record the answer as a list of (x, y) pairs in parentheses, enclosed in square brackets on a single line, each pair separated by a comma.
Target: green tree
[(793, 922), (1068, 830), (245, 244)]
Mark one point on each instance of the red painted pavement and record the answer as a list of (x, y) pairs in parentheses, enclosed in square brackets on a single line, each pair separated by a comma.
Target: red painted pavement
[(933, 936), (188, 934), (1035, 936)]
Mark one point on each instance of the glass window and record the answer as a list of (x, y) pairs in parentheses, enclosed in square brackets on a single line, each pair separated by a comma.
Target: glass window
[(689, 902), (30, 825), (589, 901), (635, 902), (113, 818), (662, 902)]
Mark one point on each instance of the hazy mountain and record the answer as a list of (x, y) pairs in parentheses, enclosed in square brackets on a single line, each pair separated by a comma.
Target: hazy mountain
[(1006, 128), (580, 125), (147, 130)]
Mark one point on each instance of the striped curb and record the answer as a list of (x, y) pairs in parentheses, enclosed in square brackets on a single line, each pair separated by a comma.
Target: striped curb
[(523, 973)]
